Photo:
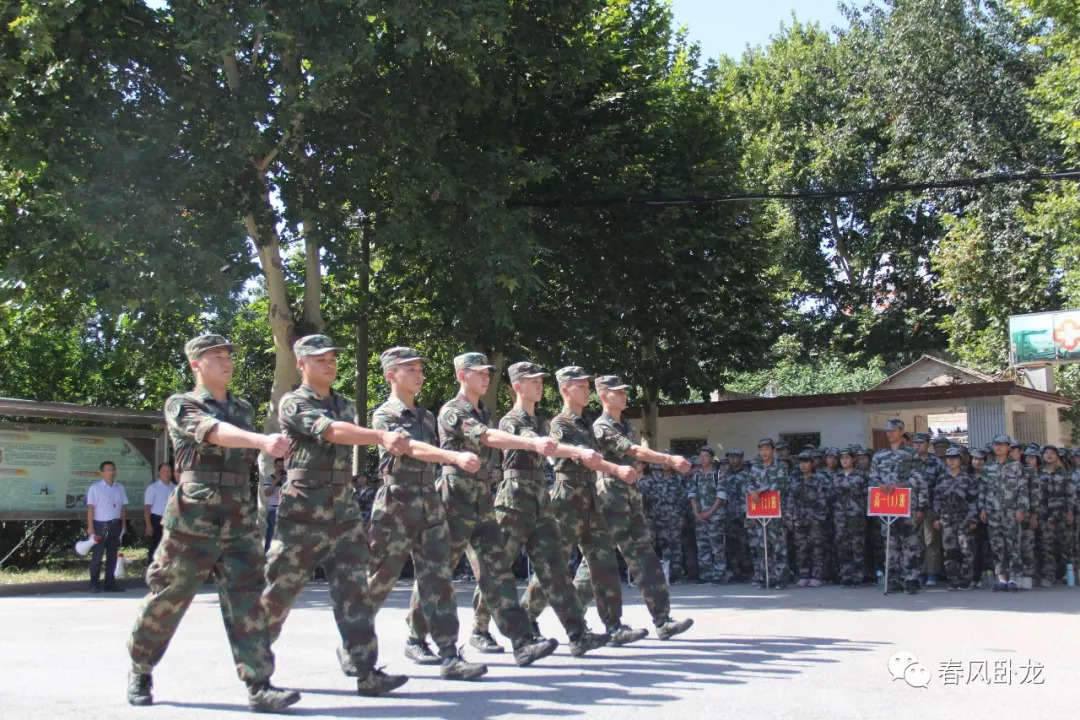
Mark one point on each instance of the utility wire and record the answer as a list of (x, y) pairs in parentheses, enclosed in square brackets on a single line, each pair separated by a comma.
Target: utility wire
[(973, 182)]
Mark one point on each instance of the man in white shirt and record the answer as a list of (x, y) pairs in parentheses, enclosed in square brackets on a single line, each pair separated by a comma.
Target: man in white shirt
[(155, 499), (272, 492), (106, 517)]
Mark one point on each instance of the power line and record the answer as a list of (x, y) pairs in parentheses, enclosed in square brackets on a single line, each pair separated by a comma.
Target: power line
[(688, 200)]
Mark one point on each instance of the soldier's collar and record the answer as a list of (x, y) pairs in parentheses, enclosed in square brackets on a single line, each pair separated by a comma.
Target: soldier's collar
[(479, 406), (395, 403), (205, 394), (311, 392)]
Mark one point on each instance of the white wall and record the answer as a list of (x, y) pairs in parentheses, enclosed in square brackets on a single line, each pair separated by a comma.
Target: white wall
[(839, 426)]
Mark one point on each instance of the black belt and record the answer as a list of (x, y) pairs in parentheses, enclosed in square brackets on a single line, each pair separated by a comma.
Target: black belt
[(522, 474), (409, 478), (326, 477), (212, 477), (576, 478), (455, 470)]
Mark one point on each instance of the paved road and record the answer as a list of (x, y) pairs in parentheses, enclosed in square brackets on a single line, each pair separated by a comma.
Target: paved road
[(807, 654)]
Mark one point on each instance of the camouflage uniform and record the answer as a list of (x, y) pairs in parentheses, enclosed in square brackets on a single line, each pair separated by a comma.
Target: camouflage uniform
[(621, 507), (956, 505), (712, 534), (1002, 494), (1056, 501), (897, 468), (470, 514), (1030, 487), (319, 525), (739, 558), (665, 506), (365, 500), (408, 520), (210, 529), (930, 469), (849, 524), (774, 476), (809, 509), (523, 510), (577, 512)]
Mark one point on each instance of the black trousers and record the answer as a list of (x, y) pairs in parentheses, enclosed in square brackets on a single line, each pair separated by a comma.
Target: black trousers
[(109, 532), (155, 536)]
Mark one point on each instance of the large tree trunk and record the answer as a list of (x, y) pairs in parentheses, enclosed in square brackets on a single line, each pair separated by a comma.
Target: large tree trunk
[(650, 409), (360, 376), (312, 319), (491, 397)]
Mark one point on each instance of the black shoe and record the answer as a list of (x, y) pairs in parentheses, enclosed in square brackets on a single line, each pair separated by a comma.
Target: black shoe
[(264, 697), (419, 652), (911, 587), (95, 589), (139, 689), (671, 628), (458, 668), (533, 649), (483, 642), (624, 635), (379, 683), (588, 641), (699, 581)]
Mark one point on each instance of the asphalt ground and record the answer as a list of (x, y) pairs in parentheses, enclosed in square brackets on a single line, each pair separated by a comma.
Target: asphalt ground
[(799, 653)]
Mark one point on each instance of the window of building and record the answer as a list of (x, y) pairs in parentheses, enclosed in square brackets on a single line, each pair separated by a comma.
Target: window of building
[(796, 441)]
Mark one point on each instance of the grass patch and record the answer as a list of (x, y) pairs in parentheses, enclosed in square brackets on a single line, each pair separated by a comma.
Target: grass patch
[(68, 566)]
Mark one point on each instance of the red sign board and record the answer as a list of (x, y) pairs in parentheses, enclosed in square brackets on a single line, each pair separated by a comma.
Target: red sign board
[(767, 506), (895, 504)]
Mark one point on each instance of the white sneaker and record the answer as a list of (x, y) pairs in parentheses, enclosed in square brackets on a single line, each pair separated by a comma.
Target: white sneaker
[(815, 583), (802, 583)]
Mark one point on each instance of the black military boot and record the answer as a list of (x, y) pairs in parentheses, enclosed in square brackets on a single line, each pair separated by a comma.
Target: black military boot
[(624, 635), (140, 688), (671, 628), (587, 641), (456, 667), (379, 683), (531, 649)]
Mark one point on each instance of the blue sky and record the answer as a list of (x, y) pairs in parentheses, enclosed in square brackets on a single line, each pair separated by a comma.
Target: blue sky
[(726, 27)]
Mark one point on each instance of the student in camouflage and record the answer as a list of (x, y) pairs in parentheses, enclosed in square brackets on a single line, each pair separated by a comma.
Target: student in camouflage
[(665, 506), (210, 529), (766, 474), (956, 507), (465, 426), (318, 522), (735, 482), (620, 504), (1031, 461), (577, 511), (849, 519), (809, 508), (1056, 512), (1003, 505), (707, 502), (523, 511), (930, 467), (894, 467), (408, 518)]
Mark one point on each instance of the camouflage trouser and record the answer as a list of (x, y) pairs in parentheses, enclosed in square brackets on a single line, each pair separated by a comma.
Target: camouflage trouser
[(667, 540), (1055, 545), (810, 548), (778, 553), (208, 531), (739, 558), (875, 547), (692, 568), (932, 546), (470, 515), (1005, 545), (319, 525), (620, 505), (958, 546), (580, 524), (905, 549), (711, 548), (849, 533), (408, 519), (1027, 549), (523, 510)]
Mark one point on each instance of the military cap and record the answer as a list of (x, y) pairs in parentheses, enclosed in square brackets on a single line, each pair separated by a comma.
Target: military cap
[(1055, 448), (862, 451), (1002, 440), (196, 346), (894, 424), (850, 450), (723, 460), (472, 361), (609, 382), (954, 452), (523, 370), (314, 345), (978, 453), (922, 437), (816, 454), (782, 445), (832, 451), (398, 355), (571, 372), (1032, 449), (708, 449), (767, 441), (806, 456), (735, 451), (1075, 451), (940, 440)]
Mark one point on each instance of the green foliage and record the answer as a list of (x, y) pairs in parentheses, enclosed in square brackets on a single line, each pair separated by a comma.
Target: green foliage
[(793, 371)]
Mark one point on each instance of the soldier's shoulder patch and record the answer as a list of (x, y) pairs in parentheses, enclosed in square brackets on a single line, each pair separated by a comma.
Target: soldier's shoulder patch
[(174, 406), (290, 405)]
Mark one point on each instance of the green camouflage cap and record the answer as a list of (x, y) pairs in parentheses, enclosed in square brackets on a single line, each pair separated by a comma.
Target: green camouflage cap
[(978, 453), (806, 456), (314, 345), (860, 450), (1055, 448), (954, 452), (397, 355), (782, 445), (523, 370), (1002, 440), (472, 361), (922, 437), (735, 451), (767, 441), (850, 451), (571, 372), (196, 346), (940, 440), (894, 424), (609, 382), (1032, 449)]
